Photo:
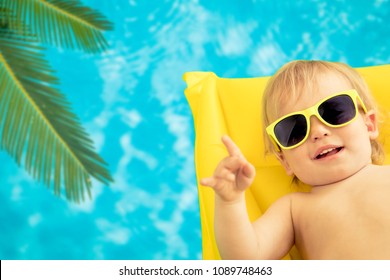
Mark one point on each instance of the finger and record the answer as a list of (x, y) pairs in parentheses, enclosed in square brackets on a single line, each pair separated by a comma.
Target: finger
[(248, 170), (232, 163), (231, 147), (225, 175), (208, 182)]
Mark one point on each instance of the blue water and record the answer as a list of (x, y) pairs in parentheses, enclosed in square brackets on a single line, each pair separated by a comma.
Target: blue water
[(131, 101)]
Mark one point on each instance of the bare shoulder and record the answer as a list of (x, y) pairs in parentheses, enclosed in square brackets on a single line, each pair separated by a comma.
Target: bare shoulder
[(378, 174), (287, 204), (381, 169), (284, 203), (301, 202), (384, 172)]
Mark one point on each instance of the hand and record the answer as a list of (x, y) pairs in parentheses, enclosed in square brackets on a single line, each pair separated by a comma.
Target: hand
[(233, 175)]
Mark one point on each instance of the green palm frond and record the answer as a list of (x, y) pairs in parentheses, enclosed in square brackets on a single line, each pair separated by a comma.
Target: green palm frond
[(37, 126), (8, 22), (63, 23)]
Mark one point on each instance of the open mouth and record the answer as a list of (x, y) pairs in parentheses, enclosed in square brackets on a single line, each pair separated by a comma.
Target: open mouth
[(328, 152)]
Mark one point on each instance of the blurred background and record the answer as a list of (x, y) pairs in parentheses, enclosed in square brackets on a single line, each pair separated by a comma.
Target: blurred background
[(131, 101)]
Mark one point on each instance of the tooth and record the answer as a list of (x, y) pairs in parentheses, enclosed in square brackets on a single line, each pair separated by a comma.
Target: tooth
[(327, 151)]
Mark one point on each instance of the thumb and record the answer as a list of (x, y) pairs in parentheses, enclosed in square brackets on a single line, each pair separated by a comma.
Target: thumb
[(208, 182)]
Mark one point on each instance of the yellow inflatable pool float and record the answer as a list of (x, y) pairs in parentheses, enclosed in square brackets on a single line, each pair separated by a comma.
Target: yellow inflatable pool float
[(232, 106)]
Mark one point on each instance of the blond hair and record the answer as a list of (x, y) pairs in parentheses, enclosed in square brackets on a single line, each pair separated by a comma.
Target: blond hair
[(299, 76)]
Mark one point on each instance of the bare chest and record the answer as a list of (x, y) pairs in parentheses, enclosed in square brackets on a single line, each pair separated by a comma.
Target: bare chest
[(351, 223)]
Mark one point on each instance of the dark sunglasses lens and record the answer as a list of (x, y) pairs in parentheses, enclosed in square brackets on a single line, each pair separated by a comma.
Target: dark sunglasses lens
[(337, 110), (292, 130)]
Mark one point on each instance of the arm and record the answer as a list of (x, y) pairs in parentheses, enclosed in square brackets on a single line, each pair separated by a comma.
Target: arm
[(269, 237), (275, 229)]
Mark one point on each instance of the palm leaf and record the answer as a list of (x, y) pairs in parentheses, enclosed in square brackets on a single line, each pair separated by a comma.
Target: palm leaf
[(63, 23), (37, 125)]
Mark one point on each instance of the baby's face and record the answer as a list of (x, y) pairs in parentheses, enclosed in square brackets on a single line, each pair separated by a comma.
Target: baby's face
[(329, 154)]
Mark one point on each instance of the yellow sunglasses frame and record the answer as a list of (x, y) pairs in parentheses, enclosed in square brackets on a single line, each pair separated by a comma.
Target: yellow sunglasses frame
[(313, 111)]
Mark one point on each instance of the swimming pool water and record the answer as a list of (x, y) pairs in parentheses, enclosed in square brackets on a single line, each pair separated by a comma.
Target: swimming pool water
[(131, 101)]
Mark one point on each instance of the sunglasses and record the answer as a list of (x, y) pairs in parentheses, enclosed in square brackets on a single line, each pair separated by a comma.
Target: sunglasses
[(337, 110)]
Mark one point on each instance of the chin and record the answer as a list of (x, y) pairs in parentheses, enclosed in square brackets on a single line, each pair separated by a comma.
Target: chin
[(327, 178), (331, 173)]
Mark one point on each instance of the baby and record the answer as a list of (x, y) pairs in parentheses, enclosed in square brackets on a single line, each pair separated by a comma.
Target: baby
[(322, 124)]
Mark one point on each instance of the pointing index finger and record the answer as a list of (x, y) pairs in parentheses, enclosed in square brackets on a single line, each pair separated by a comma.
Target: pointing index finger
[(231, 147)]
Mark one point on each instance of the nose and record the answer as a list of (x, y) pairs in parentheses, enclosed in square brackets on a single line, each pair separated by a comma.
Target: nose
[(318, 130)]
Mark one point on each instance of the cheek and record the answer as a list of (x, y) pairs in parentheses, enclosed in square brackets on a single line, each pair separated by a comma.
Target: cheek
[(357, 136), (296, 161), (359, 144)]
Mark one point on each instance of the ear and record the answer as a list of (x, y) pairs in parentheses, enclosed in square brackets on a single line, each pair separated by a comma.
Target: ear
[(282, 159), (371, 122)]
